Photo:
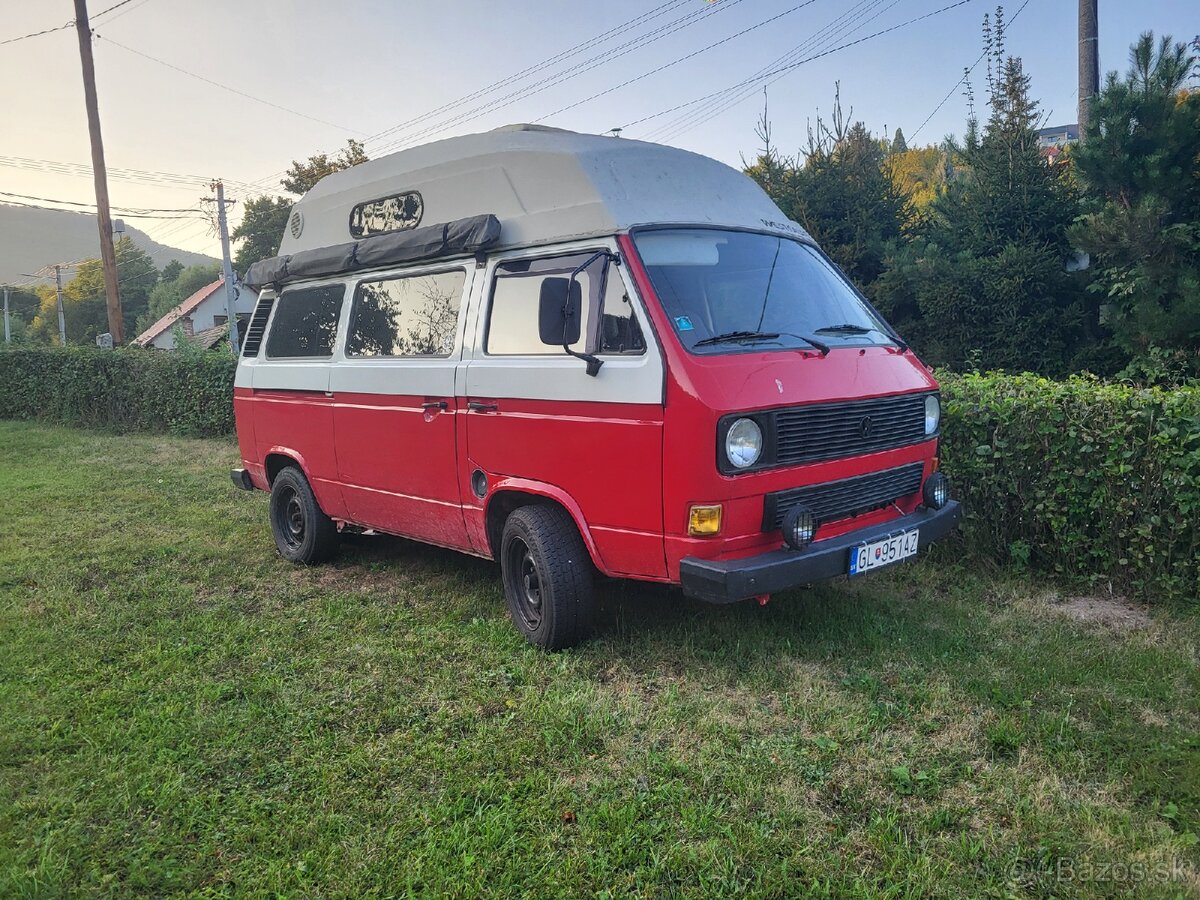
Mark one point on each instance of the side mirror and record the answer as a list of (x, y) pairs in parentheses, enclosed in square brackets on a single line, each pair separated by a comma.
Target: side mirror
[(560, 305)]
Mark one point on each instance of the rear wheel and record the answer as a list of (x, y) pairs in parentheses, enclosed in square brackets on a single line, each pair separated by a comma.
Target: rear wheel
[(303, 533), (547, 577)]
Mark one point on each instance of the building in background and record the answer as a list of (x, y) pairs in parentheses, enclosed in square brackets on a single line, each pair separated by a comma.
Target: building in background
[(1058, 136), (202, 316)]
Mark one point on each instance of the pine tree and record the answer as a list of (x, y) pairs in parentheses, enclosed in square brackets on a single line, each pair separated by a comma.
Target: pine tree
[(899, 145), (1140, 167), (986, 280), (840, 191)]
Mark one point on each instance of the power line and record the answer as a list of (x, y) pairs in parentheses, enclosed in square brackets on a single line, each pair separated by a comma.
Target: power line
[(224, 87), (787, 57), (553, 80), (840, 27), (113, 8), (962, 80), (678, 60), (791, 66), (34, 34), (66, 25), (127, 209), (127, 11), (141, 176), (558, 77), (537, 67), (124, 215)]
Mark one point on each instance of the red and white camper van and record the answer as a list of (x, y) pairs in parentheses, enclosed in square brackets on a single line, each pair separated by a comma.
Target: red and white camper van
[(578, 354)]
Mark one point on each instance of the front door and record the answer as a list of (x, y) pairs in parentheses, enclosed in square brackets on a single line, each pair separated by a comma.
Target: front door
[(394, 404), (533, 414)]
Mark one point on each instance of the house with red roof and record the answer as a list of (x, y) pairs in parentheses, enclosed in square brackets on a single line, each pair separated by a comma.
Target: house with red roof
[(202, 315)]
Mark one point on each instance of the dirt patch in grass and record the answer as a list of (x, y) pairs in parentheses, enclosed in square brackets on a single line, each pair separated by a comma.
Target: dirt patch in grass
[(1117, 613)]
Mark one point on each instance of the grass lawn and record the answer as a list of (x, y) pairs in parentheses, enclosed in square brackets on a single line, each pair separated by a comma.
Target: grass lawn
[(183, 712)]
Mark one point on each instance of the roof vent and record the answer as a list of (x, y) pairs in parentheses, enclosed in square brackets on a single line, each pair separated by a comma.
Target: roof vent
[(296, 223)]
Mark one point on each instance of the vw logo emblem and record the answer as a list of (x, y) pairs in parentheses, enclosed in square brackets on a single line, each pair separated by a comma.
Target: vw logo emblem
[(864, 427)]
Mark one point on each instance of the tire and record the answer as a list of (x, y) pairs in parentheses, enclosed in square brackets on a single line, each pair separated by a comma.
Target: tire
[(547, 577), (303, 533)]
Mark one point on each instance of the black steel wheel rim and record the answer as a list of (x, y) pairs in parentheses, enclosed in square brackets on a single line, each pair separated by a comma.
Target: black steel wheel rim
[(289, 516), (526, 583)]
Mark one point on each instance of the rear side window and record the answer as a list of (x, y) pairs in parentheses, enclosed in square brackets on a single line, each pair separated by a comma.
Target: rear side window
[(305, 322), (416, 315), (609, 325)]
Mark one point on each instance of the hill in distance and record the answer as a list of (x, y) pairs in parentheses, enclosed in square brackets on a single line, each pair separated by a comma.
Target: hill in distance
[(32, 238)]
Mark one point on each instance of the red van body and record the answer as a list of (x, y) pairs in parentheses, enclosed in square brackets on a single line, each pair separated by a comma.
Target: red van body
[(736, 464)]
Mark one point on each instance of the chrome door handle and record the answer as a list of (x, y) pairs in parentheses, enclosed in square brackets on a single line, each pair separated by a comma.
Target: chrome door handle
[(479, 406), (435, 404)]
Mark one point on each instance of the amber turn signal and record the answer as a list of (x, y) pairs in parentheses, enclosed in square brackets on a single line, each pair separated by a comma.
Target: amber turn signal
[(704, 520)]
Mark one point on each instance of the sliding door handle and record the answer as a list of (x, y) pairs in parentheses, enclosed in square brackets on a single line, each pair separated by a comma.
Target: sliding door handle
[(435, 404), (480, 406)]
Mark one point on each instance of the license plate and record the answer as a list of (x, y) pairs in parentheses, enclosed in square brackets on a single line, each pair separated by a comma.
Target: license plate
[(877, 554)]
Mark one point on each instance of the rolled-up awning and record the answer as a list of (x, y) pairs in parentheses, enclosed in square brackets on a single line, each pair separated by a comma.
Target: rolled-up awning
[(457, 238)]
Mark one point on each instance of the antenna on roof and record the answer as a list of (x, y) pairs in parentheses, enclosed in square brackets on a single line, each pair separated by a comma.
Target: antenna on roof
[(614, 132)]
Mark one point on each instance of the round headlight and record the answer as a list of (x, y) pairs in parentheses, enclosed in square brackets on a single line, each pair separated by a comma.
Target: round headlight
[(799, 527), (937, 491), (933, 414), (743, 443)]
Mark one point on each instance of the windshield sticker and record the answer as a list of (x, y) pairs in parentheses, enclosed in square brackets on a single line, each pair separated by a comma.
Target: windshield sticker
[(683, 323)]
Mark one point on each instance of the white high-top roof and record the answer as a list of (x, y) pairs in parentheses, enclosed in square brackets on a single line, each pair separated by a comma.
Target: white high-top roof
[(543, 184)]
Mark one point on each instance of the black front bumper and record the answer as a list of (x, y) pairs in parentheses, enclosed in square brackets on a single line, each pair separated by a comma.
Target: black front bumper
[(731, 580)]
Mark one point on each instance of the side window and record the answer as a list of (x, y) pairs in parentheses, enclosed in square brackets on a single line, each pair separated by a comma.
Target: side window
[(619, 328), (607, 314), (414, 315), (305, 322)]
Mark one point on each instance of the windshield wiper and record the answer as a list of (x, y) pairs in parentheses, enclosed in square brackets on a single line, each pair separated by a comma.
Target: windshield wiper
[(847, 328), (732, 336), (850, 328)]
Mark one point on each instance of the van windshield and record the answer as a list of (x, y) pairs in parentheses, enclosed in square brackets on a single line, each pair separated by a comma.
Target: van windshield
[(730, 291)]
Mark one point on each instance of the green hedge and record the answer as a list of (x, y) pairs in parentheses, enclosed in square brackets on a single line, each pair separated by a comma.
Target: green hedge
[(1097, 483), (186, 392)]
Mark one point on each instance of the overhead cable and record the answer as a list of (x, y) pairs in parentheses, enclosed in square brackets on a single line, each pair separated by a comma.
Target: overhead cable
[(791, 66)]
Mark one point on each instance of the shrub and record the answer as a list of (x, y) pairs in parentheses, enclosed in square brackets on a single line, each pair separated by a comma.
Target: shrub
[(126, 390), (1092, 481)]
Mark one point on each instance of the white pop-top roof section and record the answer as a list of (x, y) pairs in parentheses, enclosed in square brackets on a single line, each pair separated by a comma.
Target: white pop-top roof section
[(544, 184)]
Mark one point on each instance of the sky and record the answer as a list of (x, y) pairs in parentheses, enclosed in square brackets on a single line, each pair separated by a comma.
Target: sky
[(322, 72)]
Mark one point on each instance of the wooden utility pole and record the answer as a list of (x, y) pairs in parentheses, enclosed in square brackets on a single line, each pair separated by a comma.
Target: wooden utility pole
[(1089, 60), (62, 319), (108, 253), (231, 290)]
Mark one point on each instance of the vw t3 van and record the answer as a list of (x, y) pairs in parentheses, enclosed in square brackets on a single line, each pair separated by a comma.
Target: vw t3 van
[(581, 355)]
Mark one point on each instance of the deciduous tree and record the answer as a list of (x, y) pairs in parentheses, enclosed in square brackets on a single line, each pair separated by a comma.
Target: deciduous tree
[(263, 218)]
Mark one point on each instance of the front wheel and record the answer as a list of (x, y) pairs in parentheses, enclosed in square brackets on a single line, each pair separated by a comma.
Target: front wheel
[(547, 577), (303, 533)]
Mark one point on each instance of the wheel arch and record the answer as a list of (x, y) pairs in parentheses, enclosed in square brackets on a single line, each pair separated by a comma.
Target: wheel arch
[(510, 494), (279, 458)]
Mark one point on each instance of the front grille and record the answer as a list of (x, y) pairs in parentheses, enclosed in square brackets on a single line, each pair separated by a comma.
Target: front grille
[(838, 499), (833, 430)]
